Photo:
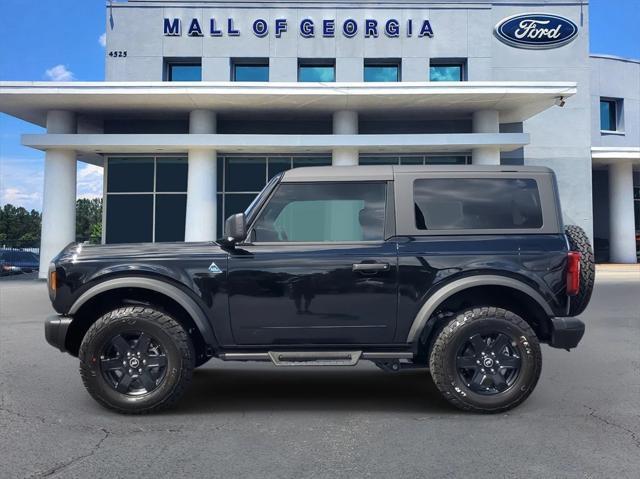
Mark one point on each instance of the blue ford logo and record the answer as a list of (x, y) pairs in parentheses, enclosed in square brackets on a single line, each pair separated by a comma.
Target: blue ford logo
[(536, 31)]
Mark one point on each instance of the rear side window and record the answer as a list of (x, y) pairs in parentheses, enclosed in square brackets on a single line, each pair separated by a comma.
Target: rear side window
[(476, 204), (323, 212)]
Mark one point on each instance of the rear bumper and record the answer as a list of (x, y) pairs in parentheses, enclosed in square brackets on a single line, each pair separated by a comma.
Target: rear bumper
[(566, 333), (55, 330)]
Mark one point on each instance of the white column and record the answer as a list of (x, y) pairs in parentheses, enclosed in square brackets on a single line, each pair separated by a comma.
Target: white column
[(345, 123), (486, 121), (200, 223), (59, 196), (622, 241)]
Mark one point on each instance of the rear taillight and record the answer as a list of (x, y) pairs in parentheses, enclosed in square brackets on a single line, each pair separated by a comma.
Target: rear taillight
[(573, 273)]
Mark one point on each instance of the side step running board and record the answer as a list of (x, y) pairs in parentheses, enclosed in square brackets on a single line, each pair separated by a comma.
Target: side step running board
[(323, 358), (315, 358)]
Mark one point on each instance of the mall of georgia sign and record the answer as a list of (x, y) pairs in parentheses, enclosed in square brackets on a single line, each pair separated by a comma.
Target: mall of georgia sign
[(536, 31), (307, 28)]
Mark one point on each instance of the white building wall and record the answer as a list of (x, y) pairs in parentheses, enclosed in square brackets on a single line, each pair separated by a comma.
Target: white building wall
[(560, 137)]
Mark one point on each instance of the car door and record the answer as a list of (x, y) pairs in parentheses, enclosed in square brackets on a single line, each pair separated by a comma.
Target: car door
[(317, 268)]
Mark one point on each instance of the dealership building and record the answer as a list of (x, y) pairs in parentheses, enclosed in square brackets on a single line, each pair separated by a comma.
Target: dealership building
[(204, 101)]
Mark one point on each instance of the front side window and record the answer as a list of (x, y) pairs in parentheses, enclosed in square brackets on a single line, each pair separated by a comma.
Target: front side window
[(316, 71), (446, 71), (608, 115), (476, 204), (323, 212), (184, 71)]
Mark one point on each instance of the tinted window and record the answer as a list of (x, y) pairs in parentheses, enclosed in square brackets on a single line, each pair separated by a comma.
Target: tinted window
[(319, 161), (130, 175), (323, 212), (250, 72), (457, 203), (445, 72), (381, 73), (129, 218), (184, 72), (608, 115), (315, 72), (245, 174), (171, 174), (170, 217)]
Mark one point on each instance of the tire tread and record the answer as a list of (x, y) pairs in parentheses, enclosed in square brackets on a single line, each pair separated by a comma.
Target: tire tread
[(170, 326), (437, 356)]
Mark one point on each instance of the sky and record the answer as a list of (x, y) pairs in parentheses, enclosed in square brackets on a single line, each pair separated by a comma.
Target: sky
[(63, 40)]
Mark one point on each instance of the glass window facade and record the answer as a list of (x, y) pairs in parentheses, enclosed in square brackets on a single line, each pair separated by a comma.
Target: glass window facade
[(449, 71), (608, 115), (636, 207), (146, 199), (152, 189), (381, 72), (483, 203), (183, 71), (246, 71), (316, 71), (417, 159), (323, 212)]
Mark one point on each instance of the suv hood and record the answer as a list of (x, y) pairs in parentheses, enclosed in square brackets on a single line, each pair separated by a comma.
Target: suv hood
[(80, 252)]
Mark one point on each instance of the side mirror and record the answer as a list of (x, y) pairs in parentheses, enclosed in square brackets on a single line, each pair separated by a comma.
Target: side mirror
[(235, 228)]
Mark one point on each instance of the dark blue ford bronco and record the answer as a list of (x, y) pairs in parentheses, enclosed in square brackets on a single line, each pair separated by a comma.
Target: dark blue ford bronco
[(463, 271)]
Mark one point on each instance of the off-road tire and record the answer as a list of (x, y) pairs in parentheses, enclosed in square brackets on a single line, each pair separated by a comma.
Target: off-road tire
[(180, 359), (579, 241), (484, 320)]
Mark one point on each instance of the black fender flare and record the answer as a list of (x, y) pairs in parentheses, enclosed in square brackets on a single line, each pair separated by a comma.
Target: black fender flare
[(169, 290), (448, 290)]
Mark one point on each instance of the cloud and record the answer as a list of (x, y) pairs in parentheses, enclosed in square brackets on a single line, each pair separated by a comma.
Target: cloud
[(21, 181), (89, 181), (15, 196), (102, 40), (59, 73)]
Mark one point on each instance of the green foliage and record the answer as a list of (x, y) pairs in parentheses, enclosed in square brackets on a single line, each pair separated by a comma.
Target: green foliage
[(21, 228), (89, 220)]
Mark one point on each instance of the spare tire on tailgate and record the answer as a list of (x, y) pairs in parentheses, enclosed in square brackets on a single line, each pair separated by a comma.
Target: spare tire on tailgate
[(579, 241)]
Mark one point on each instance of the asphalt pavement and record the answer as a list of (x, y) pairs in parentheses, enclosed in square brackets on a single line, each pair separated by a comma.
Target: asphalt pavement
[(253, 420)]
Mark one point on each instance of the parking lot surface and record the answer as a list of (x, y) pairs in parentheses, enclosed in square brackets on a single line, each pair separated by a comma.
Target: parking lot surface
[(248, 420)]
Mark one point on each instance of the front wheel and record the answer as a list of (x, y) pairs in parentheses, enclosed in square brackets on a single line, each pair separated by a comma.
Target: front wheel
[(136, 360), (486, 360)]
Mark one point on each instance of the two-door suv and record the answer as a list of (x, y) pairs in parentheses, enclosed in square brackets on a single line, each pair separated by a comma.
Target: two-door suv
[(461, 270)]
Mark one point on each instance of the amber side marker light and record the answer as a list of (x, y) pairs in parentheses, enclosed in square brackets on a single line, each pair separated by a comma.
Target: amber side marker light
[(53, 280), (573, 273)]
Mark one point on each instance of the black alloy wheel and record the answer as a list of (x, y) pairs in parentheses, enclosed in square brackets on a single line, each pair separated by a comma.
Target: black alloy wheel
[(133, 363), (488, 363)]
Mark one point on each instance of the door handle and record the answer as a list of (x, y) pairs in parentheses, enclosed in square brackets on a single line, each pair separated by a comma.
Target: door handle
[(370, 267)]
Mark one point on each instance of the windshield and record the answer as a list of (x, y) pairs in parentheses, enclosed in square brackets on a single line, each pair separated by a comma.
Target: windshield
[(252, 208)]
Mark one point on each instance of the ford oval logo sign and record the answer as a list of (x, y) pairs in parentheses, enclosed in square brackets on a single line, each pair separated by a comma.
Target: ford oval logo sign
[(536, 31)]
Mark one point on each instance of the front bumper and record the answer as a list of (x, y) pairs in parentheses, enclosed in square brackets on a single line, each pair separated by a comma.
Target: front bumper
[(566, 333), (55, 330)]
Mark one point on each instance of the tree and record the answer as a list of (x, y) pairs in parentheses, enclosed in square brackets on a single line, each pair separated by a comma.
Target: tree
[(89, 220), (21, 228)]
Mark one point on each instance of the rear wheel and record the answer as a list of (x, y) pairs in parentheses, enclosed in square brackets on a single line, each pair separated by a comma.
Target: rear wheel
[(136, 360), (486, 360), (579, 241)]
